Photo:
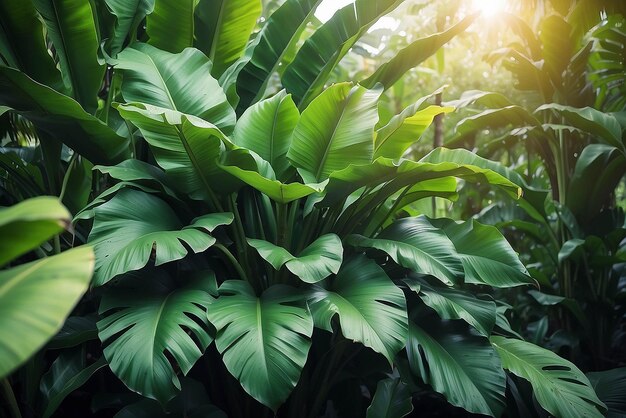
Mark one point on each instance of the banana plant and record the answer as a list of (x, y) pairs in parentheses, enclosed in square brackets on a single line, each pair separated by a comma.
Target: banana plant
[(251, 252)]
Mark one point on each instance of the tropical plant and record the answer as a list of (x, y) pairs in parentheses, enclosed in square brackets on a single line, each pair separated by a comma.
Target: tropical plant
[(256, 244)]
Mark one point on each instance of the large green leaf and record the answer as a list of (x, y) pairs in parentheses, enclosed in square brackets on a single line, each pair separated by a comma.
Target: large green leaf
[(486, 255), (598, 171), (460, 365), (265, 52), (590, 120), (414, 54), (560, 388), (180, 82), (610, 385), (22, 44), (274, 189), (397, 175), (457, 304), (150, 329), (315, 60), (529, 198), (223, 28), (416, 244), (557, 46), (30, 223), (134, 226), (371, 308), (35, 299), (67, 373), (61, 117), (170, 25), (512, 115), (71, 27), (319, 260), (264, 340), (266, 128), (128, 16), (393, 139), (392, 400), (186, 147), (335, 130)]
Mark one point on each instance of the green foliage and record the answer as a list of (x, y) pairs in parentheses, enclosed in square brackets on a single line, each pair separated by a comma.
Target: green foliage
[(252, 223)]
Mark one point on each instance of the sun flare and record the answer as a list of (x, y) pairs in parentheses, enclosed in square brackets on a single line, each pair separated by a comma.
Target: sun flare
[(489, 7)]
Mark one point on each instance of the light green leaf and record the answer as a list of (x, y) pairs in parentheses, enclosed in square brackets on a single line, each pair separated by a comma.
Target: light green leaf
[(319, 260), (414, 54), (150, 329), (29, 224), (264, 340), (71, 27), (274, 189), (266, 128), (133, 225), (180, 82), (371, 308), (32, 308), (262, 57), (61, 117), (223, 28), (128, 16), (393, 139), (486, 255), (461, 366), (170, 26), (560, 388), (392, 399), (335, 130), (416, 244)]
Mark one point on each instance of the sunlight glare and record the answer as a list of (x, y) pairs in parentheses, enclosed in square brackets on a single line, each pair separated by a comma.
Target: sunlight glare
[(489, 8), (327, 8)]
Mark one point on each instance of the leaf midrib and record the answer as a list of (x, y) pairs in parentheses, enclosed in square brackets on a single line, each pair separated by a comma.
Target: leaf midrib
[(329, 144)]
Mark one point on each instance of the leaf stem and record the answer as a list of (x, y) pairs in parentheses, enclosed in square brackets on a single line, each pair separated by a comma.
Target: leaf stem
[(232, 260), (8, 394)]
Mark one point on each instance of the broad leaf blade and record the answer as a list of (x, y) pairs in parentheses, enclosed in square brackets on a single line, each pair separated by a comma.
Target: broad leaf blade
[(393, 139), (317, 261), (416, 244), (267, 128), (371, 308), (335, 130), (146, 327), (560, 388), (170, 25), (180, 82), (132, 225), (487, 256), (222, 29), (71, 27), (461, 366), (31, 307), (264, 54), (23, 45), (30, 223), (264, 340), (128, 15), (61, 117), (392, 399)]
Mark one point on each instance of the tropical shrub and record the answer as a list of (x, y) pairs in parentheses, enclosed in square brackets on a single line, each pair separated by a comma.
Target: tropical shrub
[(255, 243)]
